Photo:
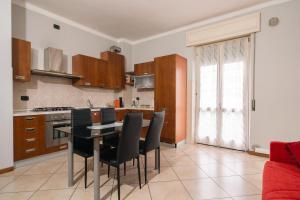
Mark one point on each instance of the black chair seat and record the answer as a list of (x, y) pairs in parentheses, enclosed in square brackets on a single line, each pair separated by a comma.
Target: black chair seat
[(112, 140)]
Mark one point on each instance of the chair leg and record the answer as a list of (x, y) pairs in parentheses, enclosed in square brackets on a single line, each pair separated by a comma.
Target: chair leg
[(108, 170), (156, 157), (133, 162), (101, 164), (145, 168), (85, 172), (139, 171), (158, 153), (124, 168), (118, 177)]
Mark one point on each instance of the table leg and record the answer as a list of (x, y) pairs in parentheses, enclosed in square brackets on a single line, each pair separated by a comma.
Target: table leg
[(96, 169), (156, 159), (70, 162)]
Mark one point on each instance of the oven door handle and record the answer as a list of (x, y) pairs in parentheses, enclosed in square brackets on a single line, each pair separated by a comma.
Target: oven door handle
[(62, 123)]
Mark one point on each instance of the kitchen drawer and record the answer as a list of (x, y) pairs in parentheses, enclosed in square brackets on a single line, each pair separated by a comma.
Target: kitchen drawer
[(31, 142), (28, 121), (30, 152), (31, 132)]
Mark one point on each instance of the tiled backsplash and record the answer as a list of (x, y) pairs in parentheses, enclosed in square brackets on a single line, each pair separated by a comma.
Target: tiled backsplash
[(50, 91)]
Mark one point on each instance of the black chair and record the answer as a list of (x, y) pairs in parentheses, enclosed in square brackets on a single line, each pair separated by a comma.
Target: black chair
[(152, 140), (108, 116), (128, 147), (80, 119)]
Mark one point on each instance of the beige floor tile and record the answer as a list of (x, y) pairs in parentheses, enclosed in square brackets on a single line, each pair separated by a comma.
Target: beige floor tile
[(204, 189), (17, 171), (104, 180), (217, 170), (47, 167), (5, 180), (255, 197), (26, 183), (166, 174), (202, 159), (58, 181), (131, 192), (15, 196), (78, 168), (189, 172), (52, 194), (255, 179), (237, 186), (242, 168), (88, 194), (151, 161), (182, 161), (168, 190)]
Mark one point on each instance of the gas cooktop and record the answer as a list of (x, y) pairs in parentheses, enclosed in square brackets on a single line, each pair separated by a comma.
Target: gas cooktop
[(49, 109)]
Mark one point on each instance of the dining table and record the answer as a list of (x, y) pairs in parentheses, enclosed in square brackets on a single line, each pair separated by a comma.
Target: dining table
[(93, 132)]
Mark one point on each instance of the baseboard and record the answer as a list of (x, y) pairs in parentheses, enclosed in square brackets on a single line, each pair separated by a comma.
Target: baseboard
[(258, 154), (5, 170)]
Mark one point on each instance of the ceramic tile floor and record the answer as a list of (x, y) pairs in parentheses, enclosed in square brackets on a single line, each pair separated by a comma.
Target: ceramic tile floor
[(188, 172)]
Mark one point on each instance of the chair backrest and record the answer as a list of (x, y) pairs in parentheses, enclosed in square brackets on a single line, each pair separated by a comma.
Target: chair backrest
[(152, 140), (80, 118), (108, 116), (128, 147)]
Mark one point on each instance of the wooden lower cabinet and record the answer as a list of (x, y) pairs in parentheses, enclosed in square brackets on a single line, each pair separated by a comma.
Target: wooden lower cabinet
[(29, 140)]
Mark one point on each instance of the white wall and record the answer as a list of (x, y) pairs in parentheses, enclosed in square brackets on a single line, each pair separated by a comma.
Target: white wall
[(38, 29), (277, 116), (277, 80), (6, 108)]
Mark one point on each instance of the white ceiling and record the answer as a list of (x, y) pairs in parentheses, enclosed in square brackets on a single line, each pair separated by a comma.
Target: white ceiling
[(137, 19)]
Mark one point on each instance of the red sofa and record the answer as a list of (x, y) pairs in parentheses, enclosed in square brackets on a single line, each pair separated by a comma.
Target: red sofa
[(281, 177)]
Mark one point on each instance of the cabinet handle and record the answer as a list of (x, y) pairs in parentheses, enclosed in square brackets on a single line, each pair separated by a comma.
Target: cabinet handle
[(20, 77), (87, 84), (30, 140), (63, 147), (29, 129), (29, 118), (30, 150)]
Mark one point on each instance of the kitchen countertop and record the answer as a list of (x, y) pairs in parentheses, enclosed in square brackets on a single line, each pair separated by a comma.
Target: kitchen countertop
[(29, 112)]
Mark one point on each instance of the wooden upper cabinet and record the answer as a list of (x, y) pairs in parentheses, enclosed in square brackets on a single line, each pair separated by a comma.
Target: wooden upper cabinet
[(102, 65), (144, 68), (115, 70), (21, 59), (91, 70)]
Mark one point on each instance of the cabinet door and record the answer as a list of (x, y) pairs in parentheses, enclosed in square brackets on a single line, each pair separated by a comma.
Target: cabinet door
[(115, 70), (94, 72), (102, 65), (80, 67), (21, 59), (144, 68), (165, 94)]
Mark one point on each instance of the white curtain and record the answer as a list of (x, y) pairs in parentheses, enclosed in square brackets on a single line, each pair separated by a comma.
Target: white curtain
[(222, 100)]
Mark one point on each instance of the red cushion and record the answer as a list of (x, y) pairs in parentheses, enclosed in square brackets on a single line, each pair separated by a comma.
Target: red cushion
[(294, 149), (281, 181)]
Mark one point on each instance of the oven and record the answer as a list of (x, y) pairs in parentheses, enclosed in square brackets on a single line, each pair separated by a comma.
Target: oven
[(53, 136)]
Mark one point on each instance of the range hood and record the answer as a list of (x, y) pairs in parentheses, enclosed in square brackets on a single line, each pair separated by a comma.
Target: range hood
[(53, 65), (55, 74)]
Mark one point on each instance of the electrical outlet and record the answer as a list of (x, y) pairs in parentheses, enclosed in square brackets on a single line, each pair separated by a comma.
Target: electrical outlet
[(24, 98)]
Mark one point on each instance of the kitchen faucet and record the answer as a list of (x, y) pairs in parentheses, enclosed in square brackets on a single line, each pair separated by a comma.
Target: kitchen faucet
[(90, 103)]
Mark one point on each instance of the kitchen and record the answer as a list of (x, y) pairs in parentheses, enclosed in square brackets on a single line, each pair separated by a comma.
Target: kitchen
[(54, 73)]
